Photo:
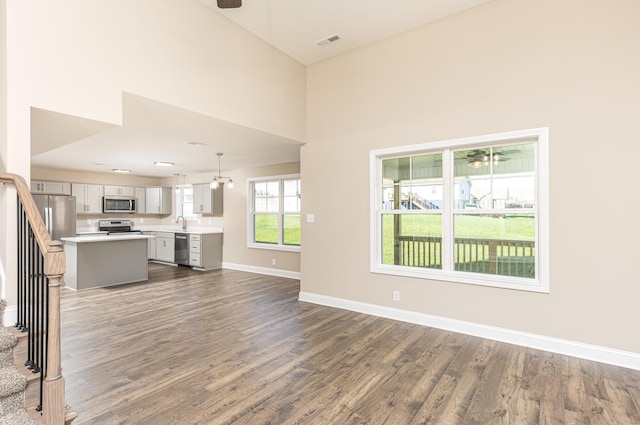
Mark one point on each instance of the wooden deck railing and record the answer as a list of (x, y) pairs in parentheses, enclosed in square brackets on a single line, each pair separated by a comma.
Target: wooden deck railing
[(491, 256), (41, 267)]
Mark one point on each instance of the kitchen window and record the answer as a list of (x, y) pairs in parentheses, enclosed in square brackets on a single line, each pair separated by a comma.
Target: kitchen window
[(274, 212), (184, 202), (471, 210)]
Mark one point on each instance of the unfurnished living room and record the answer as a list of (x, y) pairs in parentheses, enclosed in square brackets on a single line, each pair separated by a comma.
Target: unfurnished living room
[(303, 212)]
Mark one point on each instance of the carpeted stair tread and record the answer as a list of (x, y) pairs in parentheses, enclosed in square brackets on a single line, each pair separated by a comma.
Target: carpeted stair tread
[(20, 417), (7, 339), (6, 358), (11, 381), (11, 403)]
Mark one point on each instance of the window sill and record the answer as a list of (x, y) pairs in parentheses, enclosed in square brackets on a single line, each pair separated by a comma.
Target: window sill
[(496, 281), (274, 247)]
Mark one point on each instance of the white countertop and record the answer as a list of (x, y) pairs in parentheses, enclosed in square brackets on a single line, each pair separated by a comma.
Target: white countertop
[(174, 229), (104, 238), (88, 231)]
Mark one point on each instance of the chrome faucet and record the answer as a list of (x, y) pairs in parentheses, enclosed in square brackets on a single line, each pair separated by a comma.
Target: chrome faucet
[(184, 222)]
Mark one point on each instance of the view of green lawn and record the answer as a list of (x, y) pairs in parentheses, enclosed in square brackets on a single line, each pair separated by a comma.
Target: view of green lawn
[(508, 227), (266, 229), (478, 230)]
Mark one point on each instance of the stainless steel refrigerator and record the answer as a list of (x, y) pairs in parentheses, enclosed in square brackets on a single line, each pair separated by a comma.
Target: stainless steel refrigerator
[(58, 213)]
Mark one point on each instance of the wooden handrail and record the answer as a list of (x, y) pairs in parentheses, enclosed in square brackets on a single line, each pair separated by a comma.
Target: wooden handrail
[(54, 408), (35, 219)]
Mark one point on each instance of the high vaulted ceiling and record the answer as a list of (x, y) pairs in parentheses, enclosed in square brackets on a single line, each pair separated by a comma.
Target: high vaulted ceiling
[(293, 26)]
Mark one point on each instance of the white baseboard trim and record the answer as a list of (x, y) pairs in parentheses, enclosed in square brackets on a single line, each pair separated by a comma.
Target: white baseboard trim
[(10, 315), (570, 348), (261, 270)]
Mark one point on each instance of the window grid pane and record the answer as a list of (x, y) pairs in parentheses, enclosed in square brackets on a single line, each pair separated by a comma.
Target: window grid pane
[(266, 228), (413, 240), (291, 229), (501, 244)]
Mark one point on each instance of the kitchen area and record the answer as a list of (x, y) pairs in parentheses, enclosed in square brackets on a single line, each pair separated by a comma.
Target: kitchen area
[(114, 244)]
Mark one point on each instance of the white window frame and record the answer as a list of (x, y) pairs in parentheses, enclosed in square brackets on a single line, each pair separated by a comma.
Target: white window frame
[(280, 246), (539, 136), (179, 199)]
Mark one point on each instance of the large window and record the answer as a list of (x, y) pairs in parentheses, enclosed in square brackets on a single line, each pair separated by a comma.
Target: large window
[(470, 210), (274, 212)]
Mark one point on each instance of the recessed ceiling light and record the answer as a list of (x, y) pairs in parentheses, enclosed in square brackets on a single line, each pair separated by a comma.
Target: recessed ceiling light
[(164, 164), (121, 170), (198, 144)]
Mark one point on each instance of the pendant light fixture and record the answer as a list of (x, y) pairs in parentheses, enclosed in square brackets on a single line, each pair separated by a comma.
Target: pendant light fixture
[(177, 185), (217, 180)]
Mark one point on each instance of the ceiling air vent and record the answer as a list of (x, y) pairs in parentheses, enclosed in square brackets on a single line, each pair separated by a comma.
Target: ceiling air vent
[(328, 40)]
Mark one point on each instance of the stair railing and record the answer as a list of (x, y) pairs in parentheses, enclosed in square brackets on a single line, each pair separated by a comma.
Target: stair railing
[(41, 267)]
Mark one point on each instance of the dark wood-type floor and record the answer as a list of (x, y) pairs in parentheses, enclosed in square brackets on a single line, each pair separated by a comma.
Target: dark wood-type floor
[(228, 347)]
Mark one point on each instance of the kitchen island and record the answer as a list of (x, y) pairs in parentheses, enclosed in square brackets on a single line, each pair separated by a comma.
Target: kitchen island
[(96, 261)]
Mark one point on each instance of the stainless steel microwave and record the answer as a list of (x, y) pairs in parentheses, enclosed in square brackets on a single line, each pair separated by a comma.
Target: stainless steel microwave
[(116, 204)]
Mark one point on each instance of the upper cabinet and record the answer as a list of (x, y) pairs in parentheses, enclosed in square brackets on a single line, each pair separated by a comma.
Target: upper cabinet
[(50, 187), (128, 191), (140, 194), (207, 200), (88, 198), (158, 200)]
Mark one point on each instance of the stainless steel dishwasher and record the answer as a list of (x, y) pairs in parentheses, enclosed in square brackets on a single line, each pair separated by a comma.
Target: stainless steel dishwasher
[(182, 249)]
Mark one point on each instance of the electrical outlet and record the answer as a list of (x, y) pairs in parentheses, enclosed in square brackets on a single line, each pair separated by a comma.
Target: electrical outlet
[(396, 295), (274, 262)]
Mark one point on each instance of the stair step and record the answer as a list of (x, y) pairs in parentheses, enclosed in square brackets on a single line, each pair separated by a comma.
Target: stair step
[(14, 331), (19, 417), (8, 339), (69, 415), (11, 381), (11, 403), (31, 377)]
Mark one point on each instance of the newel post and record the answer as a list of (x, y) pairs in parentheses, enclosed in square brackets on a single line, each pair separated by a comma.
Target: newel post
[(53, 405)]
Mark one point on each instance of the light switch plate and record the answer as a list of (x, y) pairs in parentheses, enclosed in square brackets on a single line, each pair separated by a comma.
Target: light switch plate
[(311, 218)]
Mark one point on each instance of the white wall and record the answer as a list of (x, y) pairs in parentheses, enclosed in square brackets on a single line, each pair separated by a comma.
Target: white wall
[(507, 65)]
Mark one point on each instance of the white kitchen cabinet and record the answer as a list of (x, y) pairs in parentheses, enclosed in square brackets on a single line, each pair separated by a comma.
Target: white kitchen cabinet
[(50, 187), (151, 245), (205, 251), (207, 200), (88, 198), (158, 200), (128, 191), (165, 247), (140, 193)]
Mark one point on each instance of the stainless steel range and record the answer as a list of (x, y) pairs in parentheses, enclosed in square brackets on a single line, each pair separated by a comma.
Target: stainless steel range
[(117, 226)]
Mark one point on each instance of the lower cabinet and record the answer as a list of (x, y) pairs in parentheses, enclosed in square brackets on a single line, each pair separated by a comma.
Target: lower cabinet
[(165, 246), (151, 245), (205, 251)]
